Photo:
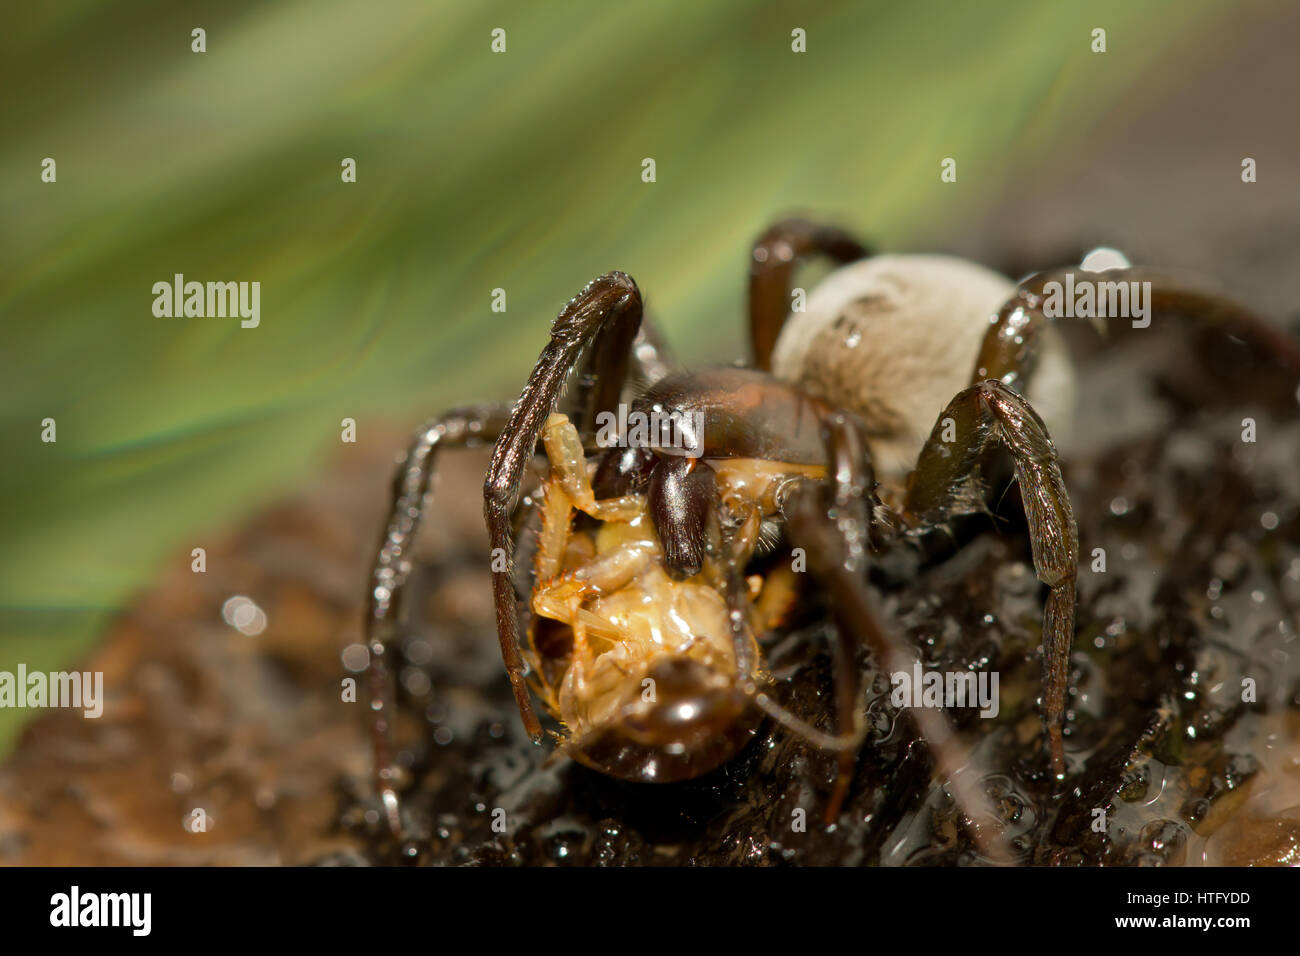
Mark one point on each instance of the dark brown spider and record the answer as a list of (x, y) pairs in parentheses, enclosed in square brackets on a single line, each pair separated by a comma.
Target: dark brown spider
[(843, 437)]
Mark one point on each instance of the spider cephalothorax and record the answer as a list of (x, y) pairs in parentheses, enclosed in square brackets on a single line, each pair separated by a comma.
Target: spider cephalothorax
[(865, 417)]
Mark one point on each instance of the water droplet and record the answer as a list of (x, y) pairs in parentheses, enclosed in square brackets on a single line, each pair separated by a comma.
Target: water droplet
[(356, 658), (243, 615), (1103, 258), (416, 682)]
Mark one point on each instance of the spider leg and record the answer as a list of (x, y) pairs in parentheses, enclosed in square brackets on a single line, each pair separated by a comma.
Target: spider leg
[(683, 492), (622, 354), (618, 345), (776, 253), (604, 314), (739, 525), (832, 521), (463, 427), (1008, 347), (842, 508), (946, 483), (820, 527), (607, 358)]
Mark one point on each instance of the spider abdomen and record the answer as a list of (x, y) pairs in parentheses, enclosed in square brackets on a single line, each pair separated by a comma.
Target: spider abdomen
[(894, 338)]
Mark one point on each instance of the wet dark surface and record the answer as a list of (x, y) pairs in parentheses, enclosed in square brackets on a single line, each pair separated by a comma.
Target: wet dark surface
[(1201, 590)]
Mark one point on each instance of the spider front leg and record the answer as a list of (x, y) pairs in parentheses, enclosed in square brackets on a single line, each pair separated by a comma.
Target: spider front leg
[(581, 329), (603, 317), (459, 428), (776, 253), (946, 483)]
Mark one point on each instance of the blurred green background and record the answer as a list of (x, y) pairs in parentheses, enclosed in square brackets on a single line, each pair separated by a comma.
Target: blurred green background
[(476, 170)]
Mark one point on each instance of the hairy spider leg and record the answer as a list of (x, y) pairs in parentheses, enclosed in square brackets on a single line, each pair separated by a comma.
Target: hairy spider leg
[(946, 483), (470, 426), (831, 534), (459, 428), (1008, 350), (1006, 356), (850, 495), (772, 263), (607, 311), (739, 524)]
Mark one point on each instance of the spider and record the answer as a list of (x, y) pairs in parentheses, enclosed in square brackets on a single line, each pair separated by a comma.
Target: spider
[(865, 419)]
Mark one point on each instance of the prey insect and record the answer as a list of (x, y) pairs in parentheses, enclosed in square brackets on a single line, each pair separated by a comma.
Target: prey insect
[(866, 419)]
